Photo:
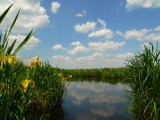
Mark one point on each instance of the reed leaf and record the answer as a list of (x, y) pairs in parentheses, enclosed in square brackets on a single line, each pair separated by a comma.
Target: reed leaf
[(23, 43), (11, 27), (10, 48), (5, 13)]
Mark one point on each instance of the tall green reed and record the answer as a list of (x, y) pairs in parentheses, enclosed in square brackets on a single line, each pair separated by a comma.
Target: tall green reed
[(144, 78)]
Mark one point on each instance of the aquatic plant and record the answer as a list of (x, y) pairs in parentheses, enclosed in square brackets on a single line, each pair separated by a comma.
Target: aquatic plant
[(144, 81)]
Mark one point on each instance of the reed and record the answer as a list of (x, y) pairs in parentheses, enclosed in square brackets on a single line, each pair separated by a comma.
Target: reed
[(110, 73), (144, 81)]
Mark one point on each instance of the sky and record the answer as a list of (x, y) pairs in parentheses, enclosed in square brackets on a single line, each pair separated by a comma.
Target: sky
[(83, 33)]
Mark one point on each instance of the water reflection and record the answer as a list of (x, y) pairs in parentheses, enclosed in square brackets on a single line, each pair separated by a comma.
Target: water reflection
[(91, 100)]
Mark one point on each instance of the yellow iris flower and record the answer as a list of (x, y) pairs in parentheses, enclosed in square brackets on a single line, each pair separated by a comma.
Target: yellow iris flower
[(25, 84), (36, 62), (9, 59)]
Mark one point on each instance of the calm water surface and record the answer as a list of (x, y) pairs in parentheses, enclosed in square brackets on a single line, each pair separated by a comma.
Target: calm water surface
[(90, 100)]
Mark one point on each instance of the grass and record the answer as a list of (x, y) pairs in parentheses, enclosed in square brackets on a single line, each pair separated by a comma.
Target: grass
[(26, 88), (144, 79), (110, 73)]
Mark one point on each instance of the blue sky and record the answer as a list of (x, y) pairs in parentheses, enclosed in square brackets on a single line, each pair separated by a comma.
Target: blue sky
[(84, 34)]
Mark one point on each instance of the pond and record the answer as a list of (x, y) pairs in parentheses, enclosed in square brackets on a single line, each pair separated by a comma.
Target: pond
[(93, 100)]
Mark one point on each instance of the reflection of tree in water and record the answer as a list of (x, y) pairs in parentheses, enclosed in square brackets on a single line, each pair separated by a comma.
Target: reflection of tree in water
[(58, 113), (97, 79)]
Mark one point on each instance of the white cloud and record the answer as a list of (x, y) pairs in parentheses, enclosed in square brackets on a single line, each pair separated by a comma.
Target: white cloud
[(55, 7), (157, 28), (82, 14), (61, 58), (58, 47), (93, 31), (102, 22), (85, 28), (78, 50), (135, 34), (98, 55), (77, 43), (119, 33), (124, 56), (101, 60), (106, 33), (62, 61), (95, 60), (28, 19), (144, 34), (30, 44), (106, 45), (133, 4), (92, 58)]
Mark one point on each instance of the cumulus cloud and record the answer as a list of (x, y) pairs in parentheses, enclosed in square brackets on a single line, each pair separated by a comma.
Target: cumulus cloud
[(77, 43), (103, 32), (133, 4), (85, 27), (124, 56), (157, 29), (78, 50), (95, 60), (102, 60), (119, 33), (82, 14), (106, 33), (102, 22), (144, 34), (62, 61), (94, 57), (61, 58), (136, 34), (28, 19), (58, 47), (106, 45), (30, 44), (93, 31), (55, 7)]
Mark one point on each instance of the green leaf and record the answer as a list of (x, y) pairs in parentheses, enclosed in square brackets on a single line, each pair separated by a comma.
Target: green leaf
[(23, 43), (4, 39), (5, 13), (10, 48), (7, 33), (0, 38), (15, 19), (6, 46)]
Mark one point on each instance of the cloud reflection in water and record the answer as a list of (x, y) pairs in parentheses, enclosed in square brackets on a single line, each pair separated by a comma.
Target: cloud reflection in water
[(96, 101)]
